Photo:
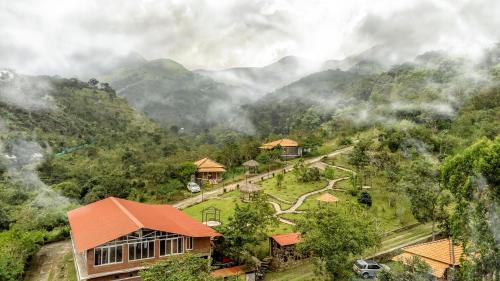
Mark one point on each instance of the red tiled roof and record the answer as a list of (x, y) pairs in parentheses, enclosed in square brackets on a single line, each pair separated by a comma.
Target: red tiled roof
[(287, 239), (209, 165), (437, 254), (111, 218), (230, 271)]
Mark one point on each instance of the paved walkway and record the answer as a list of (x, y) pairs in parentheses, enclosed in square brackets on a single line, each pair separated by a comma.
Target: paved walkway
[(216, 192)]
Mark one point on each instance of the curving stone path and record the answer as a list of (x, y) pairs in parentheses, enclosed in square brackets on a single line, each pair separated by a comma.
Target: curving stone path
[(302, 198)]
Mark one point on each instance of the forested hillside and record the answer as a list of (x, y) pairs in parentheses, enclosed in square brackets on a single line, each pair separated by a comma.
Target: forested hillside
[(172, 95)]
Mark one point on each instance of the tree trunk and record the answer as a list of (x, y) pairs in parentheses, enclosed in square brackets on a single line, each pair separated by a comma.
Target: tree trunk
[(433, 226)]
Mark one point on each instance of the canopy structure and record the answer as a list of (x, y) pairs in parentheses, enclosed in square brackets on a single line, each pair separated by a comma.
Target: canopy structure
[(251, 166), (249, 190), (209, 165), (251, 163), (281, 142), (327, 197)]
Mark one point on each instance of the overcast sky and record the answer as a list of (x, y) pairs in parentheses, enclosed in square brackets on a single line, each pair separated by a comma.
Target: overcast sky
[(59, 37)]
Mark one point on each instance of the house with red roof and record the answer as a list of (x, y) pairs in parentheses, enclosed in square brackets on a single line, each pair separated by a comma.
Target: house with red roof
[(443, 256), (114, 238)]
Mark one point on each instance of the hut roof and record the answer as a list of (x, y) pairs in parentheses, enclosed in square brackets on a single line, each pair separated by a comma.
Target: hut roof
[(209, 165), (251, 163), (327, 197), (250, 188), (281, 142), (287, 239)]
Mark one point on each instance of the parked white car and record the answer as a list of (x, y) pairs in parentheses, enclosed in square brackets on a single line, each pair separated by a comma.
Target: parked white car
[(193, 187)]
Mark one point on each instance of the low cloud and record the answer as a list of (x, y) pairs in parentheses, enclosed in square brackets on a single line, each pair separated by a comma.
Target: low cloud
[(28, 93), (22, 158), (82, 37)]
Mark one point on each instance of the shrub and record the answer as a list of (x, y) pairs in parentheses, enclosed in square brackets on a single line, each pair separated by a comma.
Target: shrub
[(16, 248), (329, 173), (365, 198)]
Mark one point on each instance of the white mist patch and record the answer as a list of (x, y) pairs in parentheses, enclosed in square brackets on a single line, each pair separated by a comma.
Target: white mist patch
[(435, 107), (22, 159), (229, 115), (28, 93)]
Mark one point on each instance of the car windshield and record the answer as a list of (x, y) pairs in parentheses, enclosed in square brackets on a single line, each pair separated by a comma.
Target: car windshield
[(360, 264)]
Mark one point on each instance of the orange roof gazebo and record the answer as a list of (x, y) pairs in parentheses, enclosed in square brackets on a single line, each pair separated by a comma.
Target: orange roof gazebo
[(327, 197), (209, 165)]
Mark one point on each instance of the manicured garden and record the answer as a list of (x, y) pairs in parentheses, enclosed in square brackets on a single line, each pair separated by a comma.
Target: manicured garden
[(290, 189), (226, 204)]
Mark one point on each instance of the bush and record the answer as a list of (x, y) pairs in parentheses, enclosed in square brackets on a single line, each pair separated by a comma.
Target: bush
[(365, 198), (329, 173), (345, 141), (16, 248)]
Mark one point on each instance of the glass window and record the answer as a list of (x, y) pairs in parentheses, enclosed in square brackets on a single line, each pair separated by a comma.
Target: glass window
[(97, 256), (169, 247), (151, 252), (107, 254), (141, 250), (189, 245), (162, 247), (119, 253), (180, 245), (131, 252)]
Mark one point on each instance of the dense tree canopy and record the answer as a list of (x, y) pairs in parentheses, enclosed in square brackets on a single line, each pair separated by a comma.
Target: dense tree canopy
[(335, 239), (473, 177)]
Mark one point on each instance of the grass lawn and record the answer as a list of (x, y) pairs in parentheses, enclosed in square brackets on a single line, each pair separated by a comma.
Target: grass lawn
[(388, 217), (303, 271), (226, 203), (341, 160), (291, 189), (68, 272)]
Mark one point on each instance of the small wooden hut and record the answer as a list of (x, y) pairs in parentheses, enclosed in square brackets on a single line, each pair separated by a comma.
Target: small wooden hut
[(209, 171), (251, 166), (282, 248), (248, 191)]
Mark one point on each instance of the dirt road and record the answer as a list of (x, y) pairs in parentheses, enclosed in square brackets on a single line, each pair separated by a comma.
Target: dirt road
[(49, 263)]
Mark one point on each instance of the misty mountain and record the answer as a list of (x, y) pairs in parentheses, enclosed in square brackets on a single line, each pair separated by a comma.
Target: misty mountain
[(374, 60), (172, 95), (433, 86), (264, 79)]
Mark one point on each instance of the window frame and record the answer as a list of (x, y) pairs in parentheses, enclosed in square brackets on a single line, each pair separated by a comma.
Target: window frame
[(108, 254), (134, 246), (174, 241), (189, 243)]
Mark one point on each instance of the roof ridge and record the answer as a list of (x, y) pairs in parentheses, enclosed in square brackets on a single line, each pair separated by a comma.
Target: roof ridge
[(127, 212), (425, 243)]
